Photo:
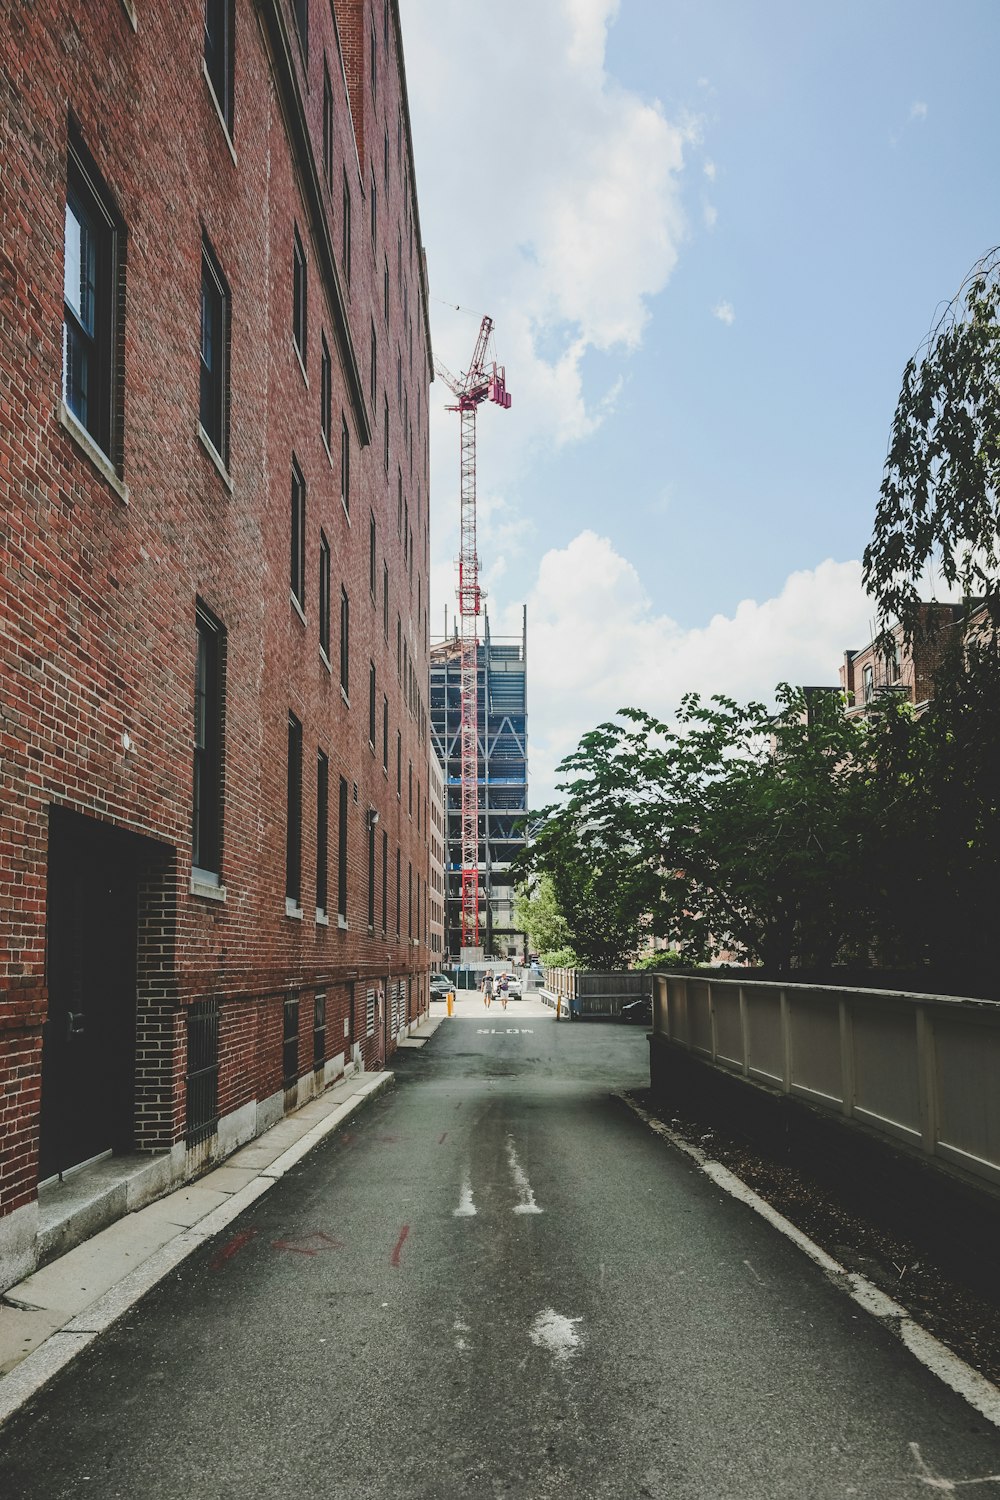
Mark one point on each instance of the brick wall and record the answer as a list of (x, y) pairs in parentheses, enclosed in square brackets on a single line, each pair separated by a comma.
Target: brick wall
[(98, 593)]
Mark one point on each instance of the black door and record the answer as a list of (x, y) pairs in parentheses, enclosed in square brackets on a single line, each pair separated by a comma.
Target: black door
[(89, 1037)]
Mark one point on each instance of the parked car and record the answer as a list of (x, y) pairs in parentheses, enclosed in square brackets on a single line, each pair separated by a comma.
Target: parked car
[(639, 1012), (439, 985), (514, 989)]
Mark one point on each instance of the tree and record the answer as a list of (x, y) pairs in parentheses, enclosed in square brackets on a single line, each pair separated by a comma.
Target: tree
[(538, 913), (738, 828), (939, 502)]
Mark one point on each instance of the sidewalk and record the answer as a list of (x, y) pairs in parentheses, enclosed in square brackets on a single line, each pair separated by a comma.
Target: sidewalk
[(46, 1319)]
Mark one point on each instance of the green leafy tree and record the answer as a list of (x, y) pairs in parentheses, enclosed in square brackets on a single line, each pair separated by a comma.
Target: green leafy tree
[(738, 828), (939, 503), (538, 913)]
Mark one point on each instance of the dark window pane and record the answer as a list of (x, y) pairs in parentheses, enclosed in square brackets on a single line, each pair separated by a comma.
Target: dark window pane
[(324, 593), (342, 852), (293, 832), (218, 53), (322, 827), (298, 536), (207, 791)]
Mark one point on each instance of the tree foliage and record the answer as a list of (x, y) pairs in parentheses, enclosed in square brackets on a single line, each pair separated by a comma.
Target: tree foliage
[(939, 503), (538, 913), (736, 828)]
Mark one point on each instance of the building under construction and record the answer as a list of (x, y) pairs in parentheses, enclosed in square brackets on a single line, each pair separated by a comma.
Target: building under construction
[(502, 779)]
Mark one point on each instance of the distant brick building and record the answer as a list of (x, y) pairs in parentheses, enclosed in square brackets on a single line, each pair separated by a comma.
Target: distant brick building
[(907, 671), (214, 372)]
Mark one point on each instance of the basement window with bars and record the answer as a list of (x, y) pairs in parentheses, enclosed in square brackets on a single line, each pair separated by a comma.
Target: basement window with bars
[(290, 1043), (319, 1030), (202, 1078)]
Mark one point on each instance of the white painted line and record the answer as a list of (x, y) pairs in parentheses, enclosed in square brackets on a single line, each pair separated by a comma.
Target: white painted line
[(527, 1204), (556, 1334), (466, 1208), (980, 1393)]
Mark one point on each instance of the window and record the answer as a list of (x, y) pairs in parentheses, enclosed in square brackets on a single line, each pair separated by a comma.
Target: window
[(327, 126), (345, 641), (319, 1029), (342, 854), (372, 815), (324, 595), (399, 502), (93, 243), (298, 536), (869, 684), (299, 296), (409, 791), (345, 464), (399, 763), (206, 844), (373, 367), (300, 9), (385, 598), (399, 642), (322, 829), (371, 553), (399, 376), (373, 208), (385, 159), (409, 899), (293, 825), (213, 402), (385, 292), (345, 244), (325, 392), (385, 735), (397, 890), (385, 879), (219, 55), (385, 431), (385, 23), (371, 704), (290, 1042), (373, 73)]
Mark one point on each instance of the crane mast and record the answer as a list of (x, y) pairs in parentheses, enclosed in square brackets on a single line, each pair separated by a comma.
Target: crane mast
[(474, 387)]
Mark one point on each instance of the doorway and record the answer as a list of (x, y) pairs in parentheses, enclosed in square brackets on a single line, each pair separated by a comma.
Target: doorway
[(88, 1047)]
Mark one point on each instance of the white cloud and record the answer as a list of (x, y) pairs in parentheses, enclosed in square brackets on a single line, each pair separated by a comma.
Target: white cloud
[(570, 216), (710, 214), (918, 110), (709, 170), (725, 312), (596, 644)]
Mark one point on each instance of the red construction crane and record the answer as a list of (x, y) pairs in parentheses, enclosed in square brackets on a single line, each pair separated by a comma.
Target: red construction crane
[(475, 386)]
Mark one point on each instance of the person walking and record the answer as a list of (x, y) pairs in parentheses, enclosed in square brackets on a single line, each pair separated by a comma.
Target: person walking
[(504, 986), (488, 988)]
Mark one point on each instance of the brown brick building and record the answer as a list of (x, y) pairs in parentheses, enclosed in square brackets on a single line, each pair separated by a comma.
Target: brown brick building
[(214, 372), (907, 670)]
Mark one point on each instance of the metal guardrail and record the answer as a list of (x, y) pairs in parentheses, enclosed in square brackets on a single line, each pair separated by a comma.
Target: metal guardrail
[(920, 1069)]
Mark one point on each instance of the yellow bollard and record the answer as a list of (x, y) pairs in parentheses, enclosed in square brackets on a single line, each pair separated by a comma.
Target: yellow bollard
[(559, 1007), (451, 1002)]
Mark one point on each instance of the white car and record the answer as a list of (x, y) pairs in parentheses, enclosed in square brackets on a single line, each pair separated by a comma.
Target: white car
[(514, 991)]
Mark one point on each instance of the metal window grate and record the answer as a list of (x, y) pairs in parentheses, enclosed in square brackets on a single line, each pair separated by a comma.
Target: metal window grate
[(202, 1077), (319, 1029), (290, 1045)]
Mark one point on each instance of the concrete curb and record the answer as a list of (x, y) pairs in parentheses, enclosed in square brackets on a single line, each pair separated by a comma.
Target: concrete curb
[(980, 1393), (28, 1377)]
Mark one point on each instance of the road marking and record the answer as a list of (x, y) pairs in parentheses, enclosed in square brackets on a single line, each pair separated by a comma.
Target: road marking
[(304, 1249), (527, 1204), (980, 1393), (230, 1248), (442, 1137), (399, 1244), (933, 1481), (504, 1031), (556, 1334), (461, 1329), (466, 1208)]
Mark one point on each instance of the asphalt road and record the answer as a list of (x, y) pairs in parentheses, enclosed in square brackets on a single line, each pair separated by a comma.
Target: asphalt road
[(496, 1282)]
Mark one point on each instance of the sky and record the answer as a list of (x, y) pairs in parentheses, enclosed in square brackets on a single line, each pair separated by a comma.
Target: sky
[(710, 234)]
